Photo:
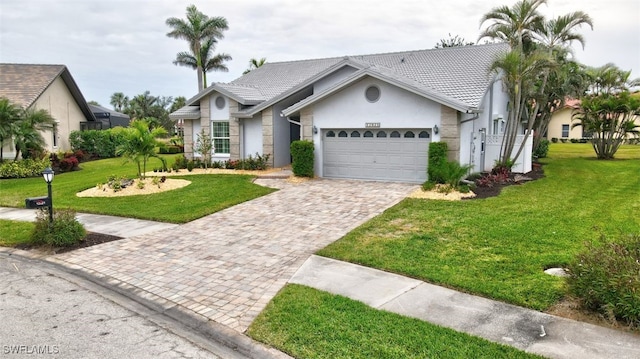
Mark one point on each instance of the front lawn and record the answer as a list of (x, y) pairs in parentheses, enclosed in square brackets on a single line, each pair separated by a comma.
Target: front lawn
[(205, 195), (307, 323), (13, 233), (498, 247)]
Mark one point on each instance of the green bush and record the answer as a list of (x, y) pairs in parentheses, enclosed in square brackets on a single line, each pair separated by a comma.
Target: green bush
[(23, 168), (554, 139), (541, 150), (63, 232), (605, 277), (191, 165), (453, 172), (302, 153), (180, 162), (171, 149), (98, 143), (257, 163), (437, 159)]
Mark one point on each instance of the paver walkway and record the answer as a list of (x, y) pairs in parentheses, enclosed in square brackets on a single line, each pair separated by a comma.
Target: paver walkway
[(227, 266)]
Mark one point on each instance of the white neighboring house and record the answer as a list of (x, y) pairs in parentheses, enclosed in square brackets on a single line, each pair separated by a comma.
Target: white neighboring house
[(370, 117), (51, 88)]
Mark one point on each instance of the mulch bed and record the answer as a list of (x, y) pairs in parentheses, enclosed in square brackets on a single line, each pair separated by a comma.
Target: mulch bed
[(485, 192), (90, 240)]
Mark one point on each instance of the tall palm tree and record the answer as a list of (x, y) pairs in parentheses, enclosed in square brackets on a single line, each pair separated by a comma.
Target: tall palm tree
[(141, 106), (514, 25), (119, 101), (9, 115), (209, 63), (196, 29), (254, 64), (27, 130)]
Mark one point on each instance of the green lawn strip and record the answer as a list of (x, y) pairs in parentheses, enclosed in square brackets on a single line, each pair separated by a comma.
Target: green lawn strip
[(205, 195), (307, 323), (13, 233), (499, 247)]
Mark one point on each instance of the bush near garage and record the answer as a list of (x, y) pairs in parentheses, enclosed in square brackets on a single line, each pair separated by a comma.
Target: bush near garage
[(437, 161), (302, 153), (605, 277)]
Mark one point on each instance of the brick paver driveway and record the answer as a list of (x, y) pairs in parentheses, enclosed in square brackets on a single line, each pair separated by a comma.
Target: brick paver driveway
[(227, 266)]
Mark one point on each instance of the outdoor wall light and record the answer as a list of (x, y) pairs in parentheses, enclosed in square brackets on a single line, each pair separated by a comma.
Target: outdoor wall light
[(48, 174), (315, 130), (436, 129)]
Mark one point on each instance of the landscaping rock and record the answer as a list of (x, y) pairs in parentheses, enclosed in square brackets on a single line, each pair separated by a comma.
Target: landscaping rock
[(558, 272)]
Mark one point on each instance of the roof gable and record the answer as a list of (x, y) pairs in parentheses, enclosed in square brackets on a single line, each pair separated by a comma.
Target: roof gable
[(23, 84)]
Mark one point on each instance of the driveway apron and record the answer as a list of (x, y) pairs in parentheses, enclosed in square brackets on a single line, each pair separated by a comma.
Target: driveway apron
[(227, 266)]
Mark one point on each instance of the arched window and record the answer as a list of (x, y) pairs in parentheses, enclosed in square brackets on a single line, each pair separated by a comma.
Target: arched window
[(395, 134), (342, 134), (368, 134), (331, 134), (355, 134), (409, 134), (424, 134), (381, 134)]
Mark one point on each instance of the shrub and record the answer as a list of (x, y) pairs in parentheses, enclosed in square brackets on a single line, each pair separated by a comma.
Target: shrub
[(554, 139), (171, 149), (452, 173), (98, 143), (605, 277), (302, 153), (63, 232), (259, 162), (563, 140), (573, 140), (437, 159), (180, 162), (428, 186), (541, 150), (24, 168), (190, 166)]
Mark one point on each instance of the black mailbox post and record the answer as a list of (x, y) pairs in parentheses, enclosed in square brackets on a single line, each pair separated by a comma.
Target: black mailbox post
[(37, 202)]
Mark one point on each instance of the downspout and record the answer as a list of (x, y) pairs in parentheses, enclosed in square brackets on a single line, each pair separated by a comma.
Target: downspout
[(295, 123)]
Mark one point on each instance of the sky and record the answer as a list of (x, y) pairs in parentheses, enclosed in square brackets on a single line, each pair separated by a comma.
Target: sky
[(121, 45)]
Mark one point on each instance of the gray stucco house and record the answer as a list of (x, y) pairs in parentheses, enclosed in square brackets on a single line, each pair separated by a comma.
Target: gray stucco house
[(369, 117)]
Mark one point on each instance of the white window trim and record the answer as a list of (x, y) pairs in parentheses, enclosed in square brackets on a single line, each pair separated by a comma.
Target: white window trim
[(213, 139)]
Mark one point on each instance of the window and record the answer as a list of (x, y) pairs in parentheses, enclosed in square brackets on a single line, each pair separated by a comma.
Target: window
[(368, 134), (409, 134), (342, 134), (220, 102), (331, 134), (381, 134), (220, 136), (565, 130), (372, 93), (355, 134), (395, 134), (424, 134)]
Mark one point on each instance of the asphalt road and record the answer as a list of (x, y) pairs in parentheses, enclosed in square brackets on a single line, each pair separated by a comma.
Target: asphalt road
[(48, 313)]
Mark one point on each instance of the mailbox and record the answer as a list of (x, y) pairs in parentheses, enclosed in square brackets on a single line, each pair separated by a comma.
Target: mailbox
[(37, 202)]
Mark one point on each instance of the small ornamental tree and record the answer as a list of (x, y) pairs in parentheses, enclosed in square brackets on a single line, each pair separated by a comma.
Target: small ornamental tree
[(141, 144), (609, 119), (204, 146)]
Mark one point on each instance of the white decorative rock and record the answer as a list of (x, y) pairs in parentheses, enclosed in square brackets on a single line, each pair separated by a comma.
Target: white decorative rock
[(558, 272)]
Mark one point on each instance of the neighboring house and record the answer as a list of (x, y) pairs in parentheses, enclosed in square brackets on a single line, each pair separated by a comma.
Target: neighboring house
[(47, 87), (369, 117), (560, 125), (106, 118)]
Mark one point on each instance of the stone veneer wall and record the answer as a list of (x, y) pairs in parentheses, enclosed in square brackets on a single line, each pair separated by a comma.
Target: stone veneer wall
[(188, 138), (267, 133), (234, 131), (306, 120), (450, 131)]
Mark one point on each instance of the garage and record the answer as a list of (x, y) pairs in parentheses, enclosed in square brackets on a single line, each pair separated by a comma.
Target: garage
[(376, 154)]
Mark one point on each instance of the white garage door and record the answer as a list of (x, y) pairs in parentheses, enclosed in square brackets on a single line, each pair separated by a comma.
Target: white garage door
[(380, 154)]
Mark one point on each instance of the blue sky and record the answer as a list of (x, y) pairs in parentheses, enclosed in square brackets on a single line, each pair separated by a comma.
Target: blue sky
[(121, 45)]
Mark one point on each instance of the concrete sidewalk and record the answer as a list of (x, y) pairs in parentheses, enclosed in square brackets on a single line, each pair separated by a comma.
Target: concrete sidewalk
[(522, 328), (115, 226)]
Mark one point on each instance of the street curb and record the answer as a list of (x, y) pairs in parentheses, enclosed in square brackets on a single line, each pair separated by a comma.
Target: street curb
[(211, 330)]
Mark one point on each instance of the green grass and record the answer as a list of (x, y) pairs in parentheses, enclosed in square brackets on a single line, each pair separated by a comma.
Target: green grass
[(205, 195), (499, 247), (307, 323), (13, 233)]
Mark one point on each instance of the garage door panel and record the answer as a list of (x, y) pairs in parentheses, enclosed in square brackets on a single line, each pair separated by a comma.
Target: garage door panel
[(376, 158)]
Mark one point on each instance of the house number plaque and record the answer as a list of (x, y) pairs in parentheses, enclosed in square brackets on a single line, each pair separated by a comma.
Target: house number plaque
[(372, 124)]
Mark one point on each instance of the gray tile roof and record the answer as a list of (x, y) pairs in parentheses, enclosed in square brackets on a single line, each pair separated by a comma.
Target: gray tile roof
[(459, 75), (22, 84), (186, 112)]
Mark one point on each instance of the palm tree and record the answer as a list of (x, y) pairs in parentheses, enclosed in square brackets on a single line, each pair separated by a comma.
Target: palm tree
[(9, 115), (140, 144), (27, 130), (514, 25), (254, 64), (215, 63), (119, 101), (196, 29), (141, 106)]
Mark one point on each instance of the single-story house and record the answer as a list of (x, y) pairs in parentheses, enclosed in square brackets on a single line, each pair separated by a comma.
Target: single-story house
[(560, 125), (106, 118), (48, 87), (369, 116)]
